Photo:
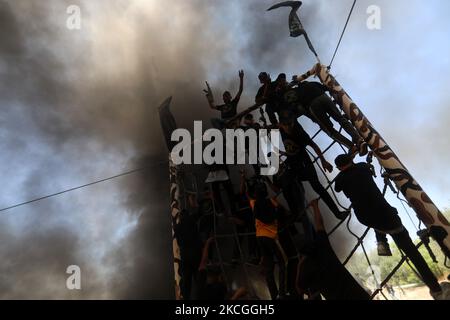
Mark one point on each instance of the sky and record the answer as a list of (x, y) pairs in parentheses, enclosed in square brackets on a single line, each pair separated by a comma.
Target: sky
[(81, 105)]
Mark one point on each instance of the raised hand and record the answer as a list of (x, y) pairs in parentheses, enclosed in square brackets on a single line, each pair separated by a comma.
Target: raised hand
[(327, 166), (208, 89), (208, 92)]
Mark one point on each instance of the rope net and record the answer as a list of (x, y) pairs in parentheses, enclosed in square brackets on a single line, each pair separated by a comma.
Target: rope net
[(227, 235)]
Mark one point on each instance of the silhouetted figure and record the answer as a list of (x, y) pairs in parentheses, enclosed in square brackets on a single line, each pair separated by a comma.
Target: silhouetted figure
[(228, 109), (266, 223), (267, 95), (372, 210), (204, 211), (294, 193), (299, 164), (310, 99)]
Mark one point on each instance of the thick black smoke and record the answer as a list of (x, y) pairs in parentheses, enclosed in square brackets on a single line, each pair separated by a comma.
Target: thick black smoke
[(85, 98)]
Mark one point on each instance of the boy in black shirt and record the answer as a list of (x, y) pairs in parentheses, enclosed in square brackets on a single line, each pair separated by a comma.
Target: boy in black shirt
[(266, 94), (294, 194), (228, 110), (299, 163), (372, 210)]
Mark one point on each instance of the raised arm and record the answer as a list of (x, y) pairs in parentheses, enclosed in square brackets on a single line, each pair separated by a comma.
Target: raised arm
[(241, 85), (210, 97), (306, 75), (325, 164)]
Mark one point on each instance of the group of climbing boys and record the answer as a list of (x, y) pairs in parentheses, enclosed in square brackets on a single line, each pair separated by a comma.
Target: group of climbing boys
[(268, 209)]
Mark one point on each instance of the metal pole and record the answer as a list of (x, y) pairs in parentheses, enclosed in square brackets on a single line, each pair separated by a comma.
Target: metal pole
[(426, 210)]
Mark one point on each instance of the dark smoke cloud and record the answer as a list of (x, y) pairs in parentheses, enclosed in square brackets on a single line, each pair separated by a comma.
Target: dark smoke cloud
[(39, 260), (77, 104)]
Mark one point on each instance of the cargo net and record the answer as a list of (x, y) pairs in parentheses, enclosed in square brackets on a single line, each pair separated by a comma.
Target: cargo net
[(241, 271)]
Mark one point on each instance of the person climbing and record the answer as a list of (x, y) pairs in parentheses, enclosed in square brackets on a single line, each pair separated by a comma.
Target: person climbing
[(267, 95), (310, 99), (190, 244), (294, 194), (266, 223), (299, 164), (321, 273), (372, 210), (203, 209), (287, 232), (229, 108)]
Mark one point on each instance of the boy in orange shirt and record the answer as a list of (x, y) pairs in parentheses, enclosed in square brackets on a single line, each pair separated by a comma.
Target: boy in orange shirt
[(266, 223)]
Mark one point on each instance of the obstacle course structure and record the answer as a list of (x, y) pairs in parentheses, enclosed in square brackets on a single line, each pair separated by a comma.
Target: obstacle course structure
[(427, 212)]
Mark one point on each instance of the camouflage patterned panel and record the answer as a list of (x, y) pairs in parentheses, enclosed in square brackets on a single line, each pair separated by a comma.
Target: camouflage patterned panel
[(175, 212)]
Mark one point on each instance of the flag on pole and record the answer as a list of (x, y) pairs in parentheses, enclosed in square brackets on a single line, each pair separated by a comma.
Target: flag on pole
[(295, 25)]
